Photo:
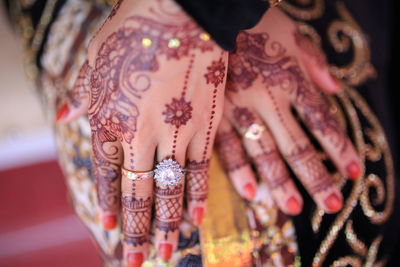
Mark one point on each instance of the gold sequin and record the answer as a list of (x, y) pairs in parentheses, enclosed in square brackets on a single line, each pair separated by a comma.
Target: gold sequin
[(147, 42), (204, 36), (174, 43)]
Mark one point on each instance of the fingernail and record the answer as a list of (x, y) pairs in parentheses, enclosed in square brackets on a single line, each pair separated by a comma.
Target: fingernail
[(293, 205), (135, 259), (250, 191), (62, 112), (198, 215), (353, 170), (333, 202), (165, 251), (336, 81), (109, 222)]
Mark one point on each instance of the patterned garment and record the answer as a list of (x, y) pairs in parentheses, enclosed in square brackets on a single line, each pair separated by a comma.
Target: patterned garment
[(234, 232)]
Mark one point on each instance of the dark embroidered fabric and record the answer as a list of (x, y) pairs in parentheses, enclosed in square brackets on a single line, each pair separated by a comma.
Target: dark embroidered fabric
[(190, 260)]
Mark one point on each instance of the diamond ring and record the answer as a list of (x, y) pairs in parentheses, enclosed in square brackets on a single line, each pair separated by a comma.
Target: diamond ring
[(134, 175), (168, 172), (254, 131)]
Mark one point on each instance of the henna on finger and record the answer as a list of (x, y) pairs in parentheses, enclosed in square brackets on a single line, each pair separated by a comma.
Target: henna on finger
[(231, 152), (306, 163), (168, 216), (107, 158), (197, 188)]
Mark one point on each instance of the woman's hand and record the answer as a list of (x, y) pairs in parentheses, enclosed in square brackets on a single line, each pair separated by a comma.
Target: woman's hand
[(153, 87), (273, 71)]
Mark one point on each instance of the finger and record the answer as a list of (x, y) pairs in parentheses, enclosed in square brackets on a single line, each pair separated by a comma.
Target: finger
[(107, 159), (316, 65), (197, 166), (260, 146), (304, 160), (137, 200), (168, 199), (321, 121), (77, 101), (234, 160)]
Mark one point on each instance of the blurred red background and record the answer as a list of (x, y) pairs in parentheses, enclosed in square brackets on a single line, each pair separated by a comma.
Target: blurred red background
[(37, 225)]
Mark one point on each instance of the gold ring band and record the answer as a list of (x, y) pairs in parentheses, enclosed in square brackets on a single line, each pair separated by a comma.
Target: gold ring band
[(137, 175)]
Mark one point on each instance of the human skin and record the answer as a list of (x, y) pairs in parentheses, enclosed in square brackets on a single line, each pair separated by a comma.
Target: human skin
[(153, 87), (274, 70)]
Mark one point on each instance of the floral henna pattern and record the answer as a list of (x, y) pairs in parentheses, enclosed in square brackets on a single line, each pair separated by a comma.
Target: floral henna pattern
[(136, 219), (197, 180), (243, 117), (216, 73), (231, 151), (305, 160), (120, 75), (218, 68), (256, 58), (178, 113), (168, 207)]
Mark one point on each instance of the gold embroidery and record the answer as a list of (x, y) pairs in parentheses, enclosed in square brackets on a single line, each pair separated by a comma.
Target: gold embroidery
[(353, 261), (344, 34), (356, 244), (310, 9)]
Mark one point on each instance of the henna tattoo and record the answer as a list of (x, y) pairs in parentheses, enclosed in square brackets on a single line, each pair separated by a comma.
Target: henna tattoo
[(255, 58), (272, 169), (216, 73), (231, 151), (311, 49), (106, 170), (168, 207), (306, 163), (197, 180), (81, 87), (136, 219), (178, 113), (215, 76), (120, 76), (243, 117), (115, 9)]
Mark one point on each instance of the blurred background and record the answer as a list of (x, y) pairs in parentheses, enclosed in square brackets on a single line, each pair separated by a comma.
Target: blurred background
[(37, 224)]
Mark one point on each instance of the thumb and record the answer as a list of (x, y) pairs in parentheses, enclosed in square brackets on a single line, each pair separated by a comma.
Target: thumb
[(314, 60), (77, 101)]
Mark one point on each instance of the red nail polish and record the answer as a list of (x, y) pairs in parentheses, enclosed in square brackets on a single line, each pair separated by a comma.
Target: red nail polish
[(109, 222), (135, 259), (198, 215), (333, 202), (293, 206), (337, 82), (165, 251), (250, 191), (62, 112), (353, 170)]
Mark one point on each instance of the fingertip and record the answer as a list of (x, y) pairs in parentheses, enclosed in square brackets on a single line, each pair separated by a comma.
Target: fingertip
[(134, 259), (198, 214), (62, 112), (109, 221), (333, 202), (250, 191), (165, 251), (294, 206), (353, 170)]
